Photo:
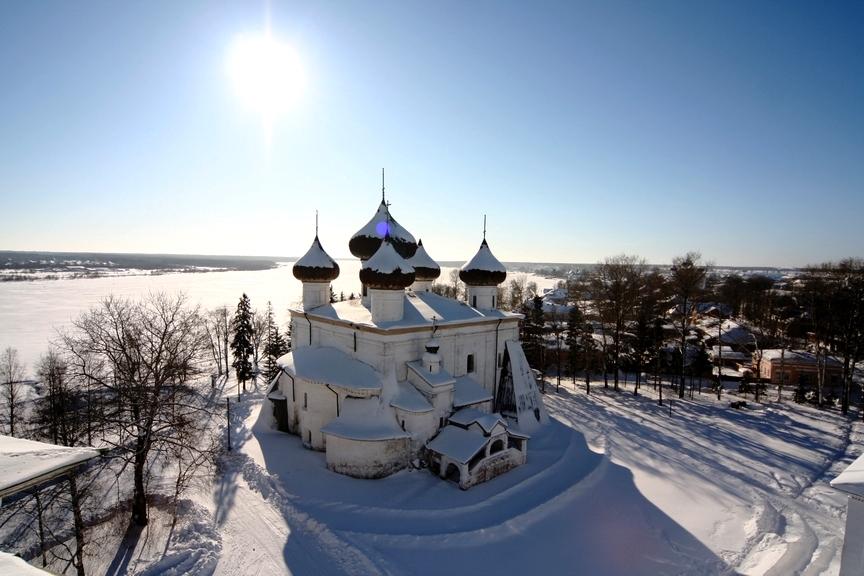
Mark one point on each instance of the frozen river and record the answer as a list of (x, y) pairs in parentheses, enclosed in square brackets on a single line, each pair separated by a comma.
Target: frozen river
[(30, 312)]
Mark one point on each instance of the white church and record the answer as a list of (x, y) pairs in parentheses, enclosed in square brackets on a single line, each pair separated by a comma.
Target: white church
[(404, 377)]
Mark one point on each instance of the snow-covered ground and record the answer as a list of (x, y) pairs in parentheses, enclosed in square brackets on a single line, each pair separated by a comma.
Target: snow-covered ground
[(614, 486), (707, 490)]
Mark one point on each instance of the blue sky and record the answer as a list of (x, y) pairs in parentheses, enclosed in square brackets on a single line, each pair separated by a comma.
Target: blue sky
[(581, 129)]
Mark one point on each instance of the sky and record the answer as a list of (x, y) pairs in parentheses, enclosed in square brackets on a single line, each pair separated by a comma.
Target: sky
[(581, 130)]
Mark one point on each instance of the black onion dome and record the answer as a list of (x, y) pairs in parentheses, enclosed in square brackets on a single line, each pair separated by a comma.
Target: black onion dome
[(387, 270), (432, 345), (365, 243), (425, 269), (484, 269), (316, 265)]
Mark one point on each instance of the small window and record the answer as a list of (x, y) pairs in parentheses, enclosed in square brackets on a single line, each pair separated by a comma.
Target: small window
[(474, 301), (500, 358), (305, 400), (470, 363)]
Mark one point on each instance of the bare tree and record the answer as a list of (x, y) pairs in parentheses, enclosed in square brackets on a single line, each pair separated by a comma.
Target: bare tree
[(143, 354), (216, 325), (11, 379), (616, 286), (686, 283), (259, 335)]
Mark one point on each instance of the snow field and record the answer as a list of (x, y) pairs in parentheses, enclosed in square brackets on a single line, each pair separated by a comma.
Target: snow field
[(752, 485)]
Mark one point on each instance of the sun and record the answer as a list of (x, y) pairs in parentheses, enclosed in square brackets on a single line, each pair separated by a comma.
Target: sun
[(268, 76)]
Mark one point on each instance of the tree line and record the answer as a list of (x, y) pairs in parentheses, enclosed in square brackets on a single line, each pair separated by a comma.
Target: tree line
[(625, 315), (137, 376)]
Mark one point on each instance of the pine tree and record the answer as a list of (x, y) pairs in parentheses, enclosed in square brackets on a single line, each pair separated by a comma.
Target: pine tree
[(582, 348), (532, 332), (241, 343), (275, 346)]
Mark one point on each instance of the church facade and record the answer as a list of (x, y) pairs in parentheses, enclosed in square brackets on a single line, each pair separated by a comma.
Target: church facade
[(403, 377)]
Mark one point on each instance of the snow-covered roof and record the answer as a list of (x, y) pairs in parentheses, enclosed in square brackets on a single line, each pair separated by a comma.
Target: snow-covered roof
[(316, 265), (728, 354), (851, 480), (327, 365), (801, 356), (467, 416), (467, 391), (386, 269), (366, 241), (14, 566), (483, 269), (364, 419), (410, 399), (25, 463), (419, 310), (425, 268), (457, 443), (441, 378)]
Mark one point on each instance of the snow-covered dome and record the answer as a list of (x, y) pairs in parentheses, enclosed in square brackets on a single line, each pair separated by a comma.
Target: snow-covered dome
[(386, 269), (432, 345), (425, 269), (316, 265), (365, 243), (484, 269)]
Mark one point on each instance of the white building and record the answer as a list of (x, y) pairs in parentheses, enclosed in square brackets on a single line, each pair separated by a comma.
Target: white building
[(851, 481), (404, 376)]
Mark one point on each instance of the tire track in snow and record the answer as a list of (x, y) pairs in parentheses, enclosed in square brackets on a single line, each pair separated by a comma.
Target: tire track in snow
[(347, 558)]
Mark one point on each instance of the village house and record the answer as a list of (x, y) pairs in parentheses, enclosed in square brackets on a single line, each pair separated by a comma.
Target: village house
[(797, 364)]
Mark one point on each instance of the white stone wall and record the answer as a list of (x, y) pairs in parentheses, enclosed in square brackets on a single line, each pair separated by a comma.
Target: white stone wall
[(315, 294), (367, 459), (483, 297), (315, 406), (387, 305), (852, 560), (397, 347)]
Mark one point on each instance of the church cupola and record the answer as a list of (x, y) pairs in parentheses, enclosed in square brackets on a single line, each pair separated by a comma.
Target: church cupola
[(482, 275), (366, 241), (386, 275), (431, 359), (316, 269), (426, 270)]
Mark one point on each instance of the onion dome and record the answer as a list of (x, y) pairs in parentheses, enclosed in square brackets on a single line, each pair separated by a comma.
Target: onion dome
[(484, 269), (365, 243), (316, 265), (386, 269), (425, 269), (432, 345)]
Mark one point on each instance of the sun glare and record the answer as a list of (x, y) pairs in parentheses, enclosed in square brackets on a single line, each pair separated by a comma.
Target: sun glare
[(268, 76)]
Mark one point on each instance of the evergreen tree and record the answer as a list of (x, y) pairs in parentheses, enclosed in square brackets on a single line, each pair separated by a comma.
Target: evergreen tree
[(575, 321), (582, 348), (532, 332), (241, 343), (275, 346)]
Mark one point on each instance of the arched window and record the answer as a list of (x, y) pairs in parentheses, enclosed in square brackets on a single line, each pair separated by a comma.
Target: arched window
[(497, 446)]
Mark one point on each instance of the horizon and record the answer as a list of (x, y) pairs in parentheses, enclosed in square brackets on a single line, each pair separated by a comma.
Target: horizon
[(443, 263), (581, 131)]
